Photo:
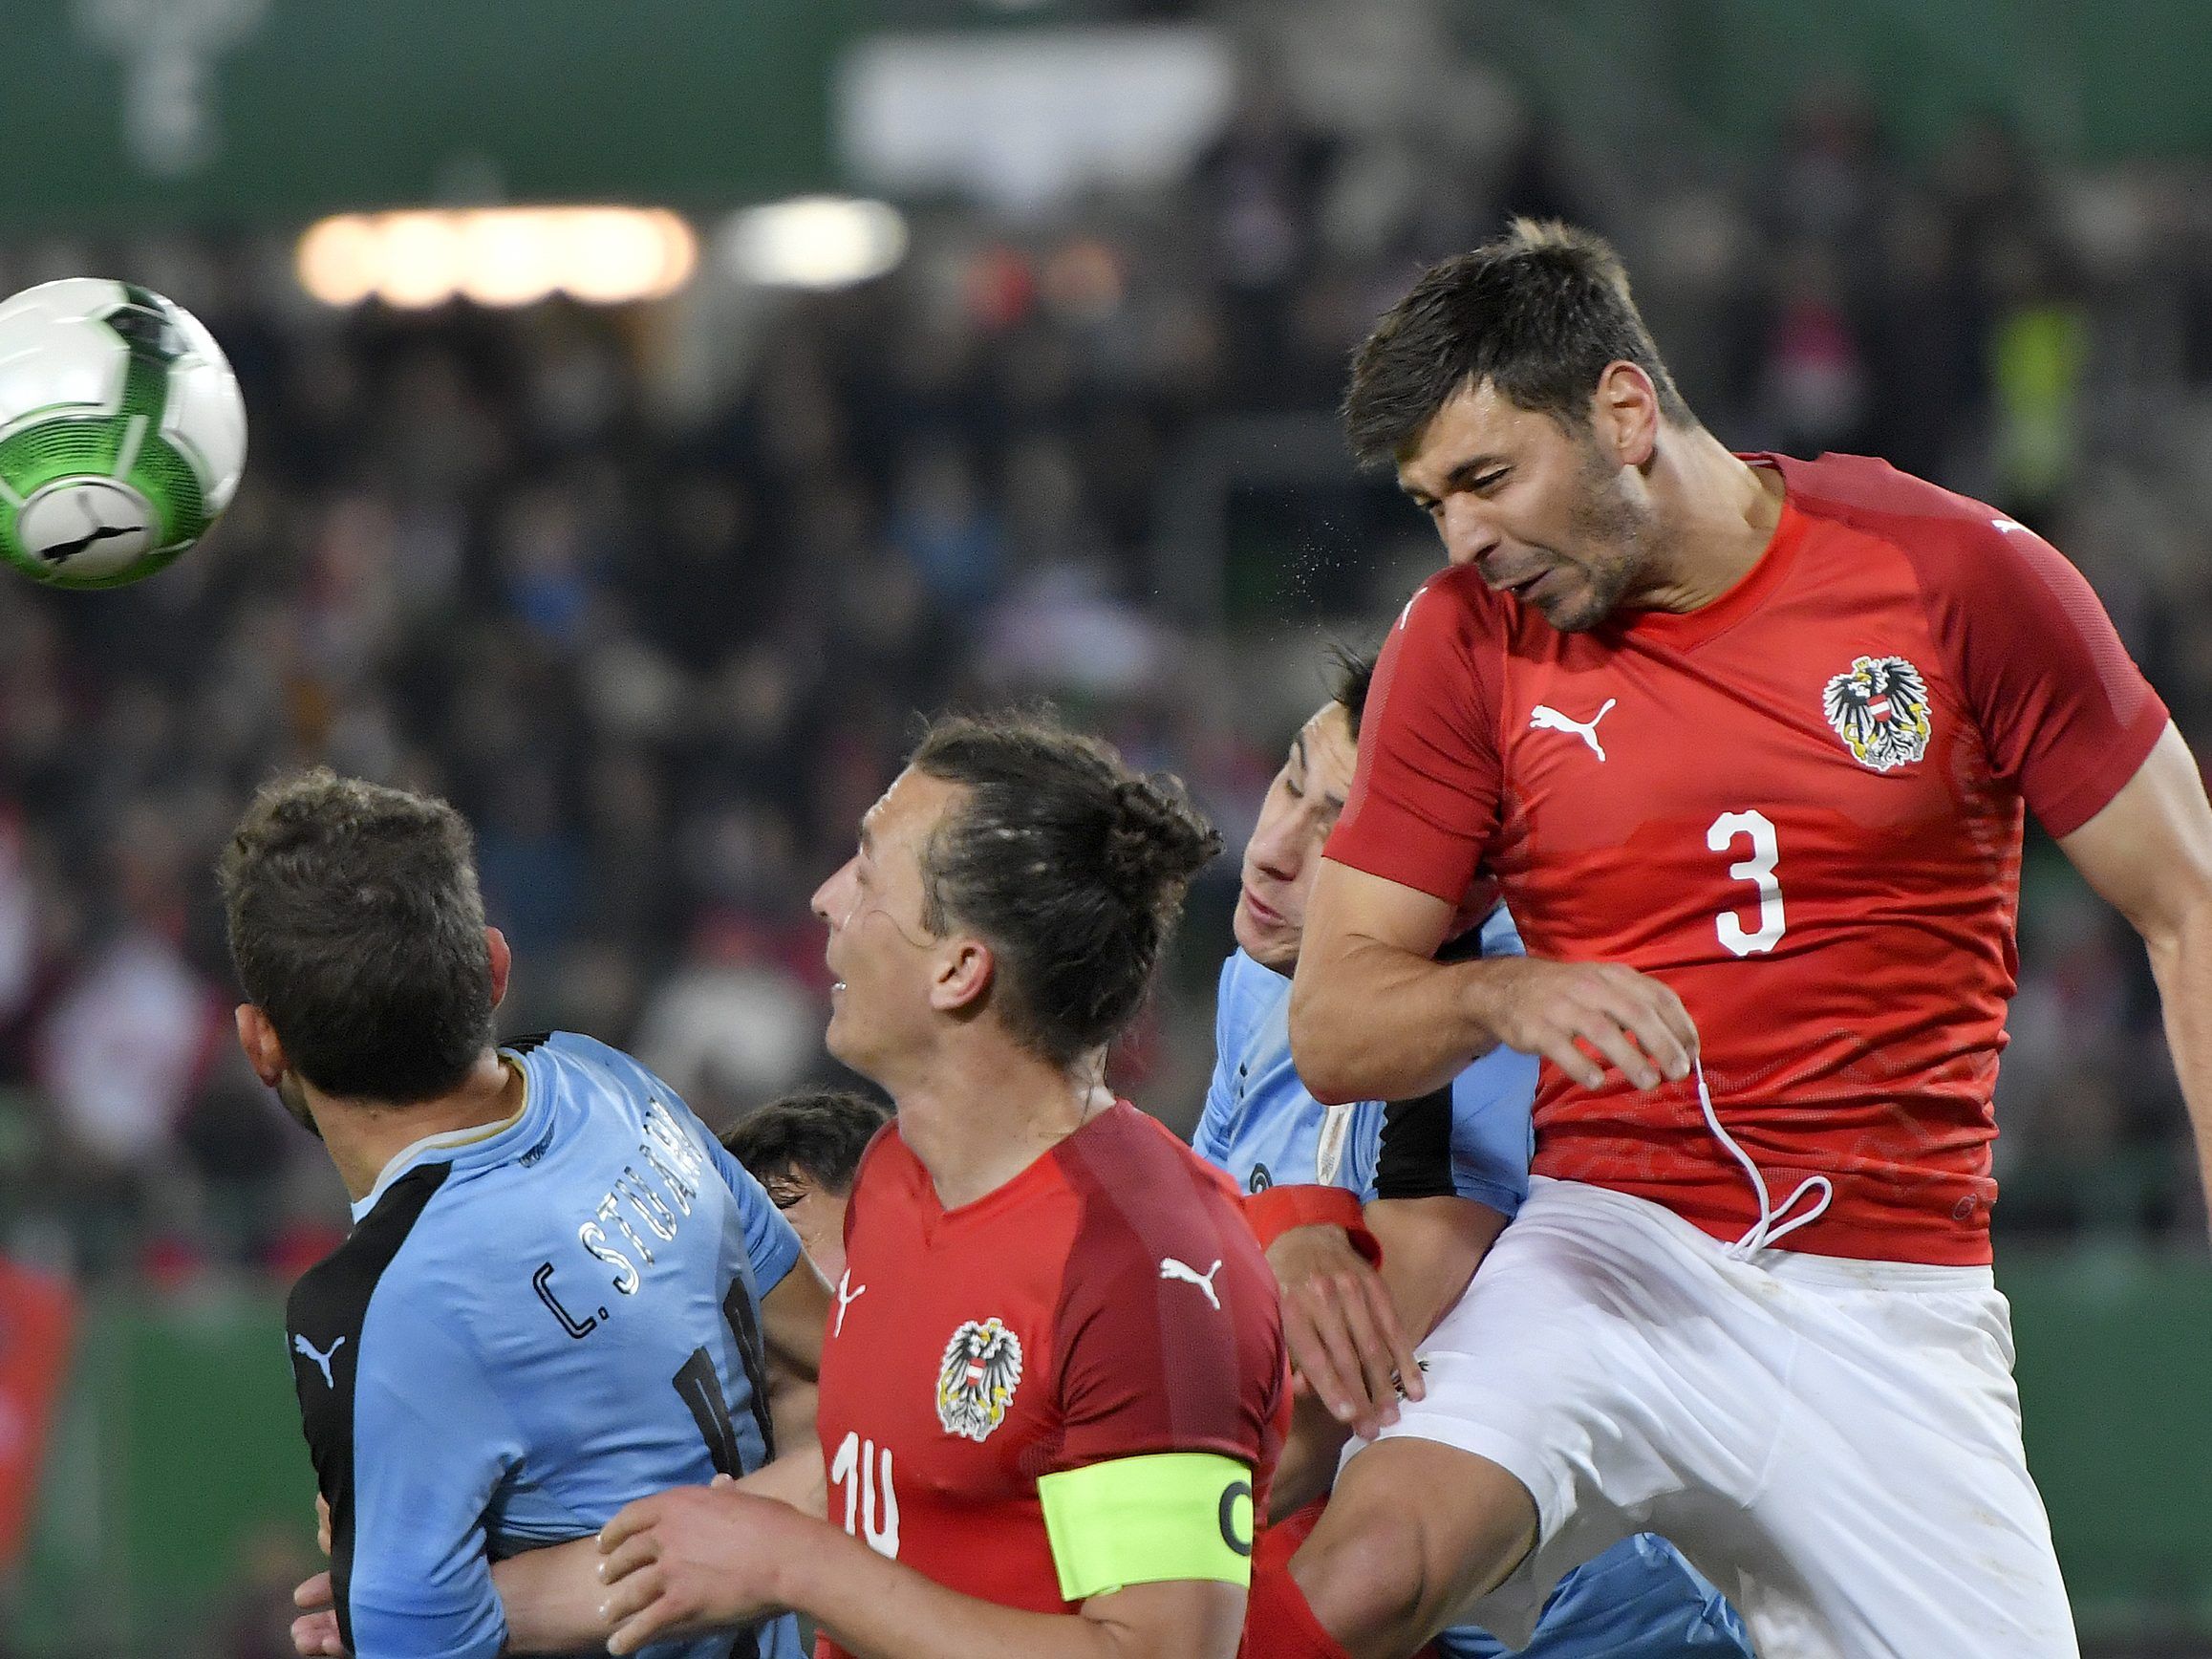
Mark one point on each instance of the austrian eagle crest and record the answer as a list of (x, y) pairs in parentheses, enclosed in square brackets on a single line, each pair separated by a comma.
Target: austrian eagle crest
[(977, 1382), (1880, 708)]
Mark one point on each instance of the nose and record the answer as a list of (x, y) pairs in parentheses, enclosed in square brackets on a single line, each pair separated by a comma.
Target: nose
[(1276, 842), (1468, 533), (829, 902)]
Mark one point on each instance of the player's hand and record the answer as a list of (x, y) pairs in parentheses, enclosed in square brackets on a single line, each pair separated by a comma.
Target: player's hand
[(1580, 1016), (314, 1634), (690, 1560), (1347, 1342)]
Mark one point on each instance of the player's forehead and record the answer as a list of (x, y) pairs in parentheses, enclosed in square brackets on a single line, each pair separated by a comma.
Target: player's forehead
[(907, 813), (1323, 749), (1476, 425)]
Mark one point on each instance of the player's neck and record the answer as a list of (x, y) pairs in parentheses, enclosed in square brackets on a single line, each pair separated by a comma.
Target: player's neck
[(364, 1136), (986, 1114), (1715, 517)]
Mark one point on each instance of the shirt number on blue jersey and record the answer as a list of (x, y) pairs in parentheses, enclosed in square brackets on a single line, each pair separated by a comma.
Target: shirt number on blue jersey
[(1758, 869), (701, 1390)]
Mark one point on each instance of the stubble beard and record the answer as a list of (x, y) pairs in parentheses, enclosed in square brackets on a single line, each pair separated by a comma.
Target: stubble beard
[(1612, 536)]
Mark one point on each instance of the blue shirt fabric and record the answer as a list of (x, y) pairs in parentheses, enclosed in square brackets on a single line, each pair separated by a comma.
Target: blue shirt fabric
[(1640, 1598), (531, 1326), (1262, 1127)]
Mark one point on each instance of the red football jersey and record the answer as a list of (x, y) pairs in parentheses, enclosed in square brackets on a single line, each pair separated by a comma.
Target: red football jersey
[(1800, 807), (1109, 1301)]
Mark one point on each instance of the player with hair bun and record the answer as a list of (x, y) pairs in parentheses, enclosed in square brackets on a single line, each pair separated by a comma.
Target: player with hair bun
[(1054, 1382)]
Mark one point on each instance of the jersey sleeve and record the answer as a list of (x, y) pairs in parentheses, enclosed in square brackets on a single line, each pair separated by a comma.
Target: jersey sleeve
[(2066, 714), (1492, 1132), (1473, 1138), (1210, 1140), (432, 1445), (1425, 794), (770, 1243), (1169, 1388), (1167, 1330)]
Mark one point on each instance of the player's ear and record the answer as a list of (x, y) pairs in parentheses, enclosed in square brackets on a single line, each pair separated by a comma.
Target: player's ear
[(964, 975), (257, 1037), (1625, 413), (502, 960)]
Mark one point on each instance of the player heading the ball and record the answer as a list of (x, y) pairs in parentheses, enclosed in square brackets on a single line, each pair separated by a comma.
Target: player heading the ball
[(1748, 743)]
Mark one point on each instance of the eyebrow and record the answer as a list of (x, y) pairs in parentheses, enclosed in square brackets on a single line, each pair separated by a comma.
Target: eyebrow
[(1459, 476), (1305, 764)]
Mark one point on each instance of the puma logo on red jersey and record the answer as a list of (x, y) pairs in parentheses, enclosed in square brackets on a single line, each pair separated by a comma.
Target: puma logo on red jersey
[(1546, 718), (846, 1299), (1170, 1269)]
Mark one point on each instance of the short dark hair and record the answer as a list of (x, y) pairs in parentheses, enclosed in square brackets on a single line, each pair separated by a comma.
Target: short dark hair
[(357, 926), (1538, 313), (1070, 864), (817, 1132), (1355, 673)]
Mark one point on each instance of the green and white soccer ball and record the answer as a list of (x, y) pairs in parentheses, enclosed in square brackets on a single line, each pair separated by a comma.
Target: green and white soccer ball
[(122, 435)]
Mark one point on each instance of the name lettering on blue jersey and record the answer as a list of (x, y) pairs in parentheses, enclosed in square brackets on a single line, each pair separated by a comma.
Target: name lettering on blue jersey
[(483, 1430), (680, 1190), (671, 1155), (648, 1204), (542, 1282)]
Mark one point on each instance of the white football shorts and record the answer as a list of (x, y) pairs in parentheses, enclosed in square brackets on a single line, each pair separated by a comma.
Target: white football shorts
[(1835, 1443)]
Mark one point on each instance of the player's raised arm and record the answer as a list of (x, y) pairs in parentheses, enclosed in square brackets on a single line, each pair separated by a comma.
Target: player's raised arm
[(1372, 1015), (2149, 853)]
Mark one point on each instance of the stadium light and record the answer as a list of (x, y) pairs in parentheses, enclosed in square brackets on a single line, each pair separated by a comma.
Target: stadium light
[(818, 242), (497, 256)]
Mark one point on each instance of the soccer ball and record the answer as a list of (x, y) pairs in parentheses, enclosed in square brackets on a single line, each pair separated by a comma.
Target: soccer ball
[(121, 432)]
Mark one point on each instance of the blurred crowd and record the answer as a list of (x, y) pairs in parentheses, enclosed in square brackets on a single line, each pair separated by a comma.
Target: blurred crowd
[(653, 595)]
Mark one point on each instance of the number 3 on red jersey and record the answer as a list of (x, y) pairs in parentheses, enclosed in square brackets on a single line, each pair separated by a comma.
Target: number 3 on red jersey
[(1758, 869)]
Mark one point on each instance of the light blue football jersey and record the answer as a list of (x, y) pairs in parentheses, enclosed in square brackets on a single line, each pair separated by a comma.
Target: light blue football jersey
[(531, 1326), (1262, 1127)]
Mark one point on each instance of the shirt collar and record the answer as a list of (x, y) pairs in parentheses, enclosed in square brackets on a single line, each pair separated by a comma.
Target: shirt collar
[(449, 1140)]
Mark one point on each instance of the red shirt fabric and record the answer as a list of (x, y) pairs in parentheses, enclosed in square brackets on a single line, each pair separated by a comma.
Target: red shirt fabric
[(1806, 819), (1059, 1283)]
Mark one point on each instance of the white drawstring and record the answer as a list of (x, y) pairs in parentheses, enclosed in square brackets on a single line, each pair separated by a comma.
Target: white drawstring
[(1763, 1232)]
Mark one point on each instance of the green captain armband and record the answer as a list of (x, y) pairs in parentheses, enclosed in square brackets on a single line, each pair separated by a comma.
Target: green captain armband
[(1143, 1521)]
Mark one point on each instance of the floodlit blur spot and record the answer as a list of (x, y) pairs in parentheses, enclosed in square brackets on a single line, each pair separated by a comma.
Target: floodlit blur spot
[(614, 254), (498, 256), (815, 242), (422, 260), (339, 260), (507, 259)]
